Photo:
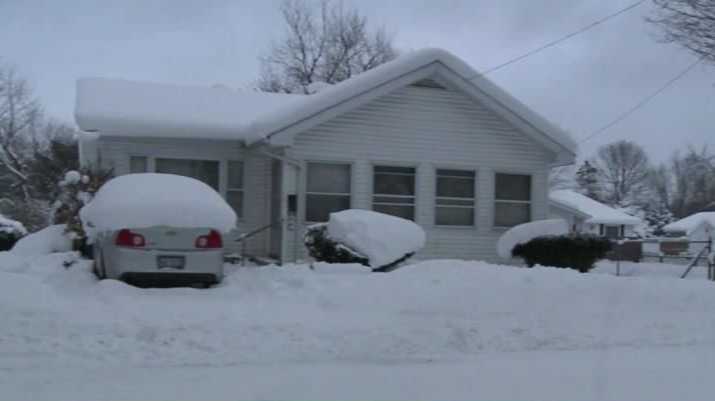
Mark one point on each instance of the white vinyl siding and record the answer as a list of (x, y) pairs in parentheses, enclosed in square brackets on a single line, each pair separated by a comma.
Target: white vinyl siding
[(429, 129)]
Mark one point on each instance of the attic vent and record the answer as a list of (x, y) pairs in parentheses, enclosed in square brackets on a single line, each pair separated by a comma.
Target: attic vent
[(428, 83)]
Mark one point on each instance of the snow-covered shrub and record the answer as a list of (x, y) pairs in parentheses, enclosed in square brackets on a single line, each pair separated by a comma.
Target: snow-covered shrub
[(48, 240), (524, 233), (76, 189), (383, 240), (10, 232), (324, 249), (575, 251)]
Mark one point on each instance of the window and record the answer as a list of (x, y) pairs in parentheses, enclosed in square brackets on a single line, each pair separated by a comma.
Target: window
[(612, 232), (138, 164), (394, 191), (234, 186), (328, 190), (205, 171), (512, 199), (455, 198)]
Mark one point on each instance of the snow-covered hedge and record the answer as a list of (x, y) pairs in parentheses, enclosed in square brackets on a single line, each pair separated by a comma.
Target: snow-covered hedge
[(524, 233), (46, 241), (579, 252), (374, 239)]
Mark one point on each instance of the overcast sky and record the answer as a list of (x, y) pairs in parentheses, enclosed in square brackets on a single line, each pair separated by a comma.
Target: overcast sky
[(581, 85)]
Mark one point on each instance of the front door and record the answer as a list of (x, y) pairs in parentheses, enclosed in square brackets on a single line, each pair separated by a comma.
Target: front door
[(276, 195)]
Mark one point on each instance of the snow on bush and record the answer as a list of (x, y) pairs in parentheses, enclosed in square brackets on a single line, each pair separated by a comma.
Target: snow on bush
[(524, 233), (382, 238), (48, 240), (149, 199), (10, 232)]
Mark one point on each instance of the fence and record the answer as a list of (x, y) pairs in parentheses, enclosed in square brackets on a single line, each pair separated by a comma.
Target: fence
[(688, 251)]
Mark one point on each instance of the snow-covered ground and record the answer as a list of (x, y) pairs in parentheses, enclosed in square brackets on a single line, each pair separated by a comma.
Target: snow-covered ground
[(436, 329)]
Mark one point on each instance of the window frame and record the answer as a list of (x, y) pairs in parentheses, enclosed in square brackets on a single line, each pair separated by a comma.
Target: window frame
[(351, 169), (473, 199), (228, 187), (413, 197), (508, 201)]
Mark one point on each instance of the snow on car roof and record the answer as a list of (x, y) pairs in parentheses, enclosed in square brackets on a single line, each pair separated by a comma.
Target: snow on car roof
[(691, 223), (598, 212), (142, 109), (152, 199)]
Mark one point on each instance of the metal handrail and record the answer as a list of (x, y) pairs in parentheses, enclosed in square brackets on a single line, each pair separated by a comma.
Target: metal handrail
[(243, 237)]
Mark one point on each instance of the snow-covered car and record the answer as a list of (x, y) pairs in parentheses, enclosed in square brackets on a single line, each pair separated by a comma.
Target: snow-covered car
[(158, 229)]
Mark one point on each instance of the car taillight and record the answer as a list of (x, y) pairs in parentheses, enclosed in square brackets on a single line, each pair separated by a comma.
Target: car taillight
[(212, 240), (130, 239)]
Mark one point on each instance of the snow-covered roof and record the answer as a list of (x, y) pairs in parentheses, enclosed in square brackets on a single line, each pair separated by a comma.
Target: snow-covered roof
[(692, 223), (133, 108), (598, 212), (130, 108)]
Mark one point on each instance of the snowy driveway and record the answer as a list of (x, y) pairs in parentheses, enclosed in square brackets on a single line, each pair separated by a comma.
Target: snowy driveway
[(280, 332)]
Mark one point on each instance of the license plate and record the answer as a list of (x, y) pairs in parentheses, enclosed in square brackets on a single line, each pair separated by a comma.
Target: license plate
[(170, 262)]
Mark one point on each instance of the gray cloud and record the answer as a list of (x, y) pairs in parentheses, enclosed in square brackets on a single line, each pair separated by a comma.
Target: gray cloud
[(581, 84)]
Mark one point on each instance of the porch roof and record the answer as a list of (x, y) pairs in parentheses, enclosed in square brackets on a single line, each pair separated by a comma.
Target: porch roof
[(598, 212)]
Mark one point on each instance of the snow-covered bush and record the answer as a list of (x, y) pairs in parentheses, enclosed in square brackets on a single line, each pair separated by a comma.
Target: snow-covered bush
[(576, 251), (10, 232), (324, 249), (76, 189), (351, 235), (524, 233), (48, 240)]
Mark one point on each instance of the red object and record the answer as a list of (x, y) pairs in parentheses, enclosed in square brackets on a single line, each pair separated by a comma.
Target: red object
[(129, 239), (211, 241)]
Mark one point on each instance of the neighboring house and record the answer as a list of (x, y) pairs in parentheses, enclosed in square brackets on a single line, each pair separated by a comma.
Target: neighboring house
[(586, 215), (696, 227), (424, 137)]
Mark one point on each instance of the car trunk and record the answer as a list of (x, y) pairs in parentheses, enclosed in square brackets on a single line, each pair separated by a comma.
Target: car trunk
[(171, 238)]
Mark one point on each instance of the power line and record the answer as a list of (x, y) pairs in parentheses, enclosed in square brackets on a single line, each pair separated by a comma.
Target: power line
[(557, 41), (643, 101)]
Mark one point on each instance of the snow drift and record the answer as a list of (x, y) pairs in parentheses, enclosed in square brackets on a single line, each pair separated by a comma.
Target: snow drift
[(381, 238), (524, 233), (149, 199), (48, 240)]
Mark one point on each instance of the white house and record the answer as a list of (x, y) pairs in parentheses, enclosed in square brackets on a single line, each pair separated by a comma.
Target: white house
[(696, 227), (586, 215), (424, 137)]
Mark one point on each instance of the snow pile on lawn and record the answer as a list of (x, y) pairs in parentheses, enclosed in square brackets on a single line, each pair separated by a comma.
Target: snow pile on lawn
[(598, 212), (9, 226), (48, 240), (524, 233), (148, 199), (60, 316), (382, 238), (691, 223)]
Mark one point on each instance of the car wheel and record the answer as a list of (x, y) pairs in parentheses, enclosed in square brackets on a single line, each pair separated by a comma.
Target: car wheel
[(99, 270)]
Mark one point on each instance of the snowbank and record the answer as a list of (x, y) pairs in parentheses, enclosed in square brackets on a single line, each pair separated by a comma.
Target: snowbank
[(524, 233), (149, 199), (10, 226), (382, 238), (48, 240)]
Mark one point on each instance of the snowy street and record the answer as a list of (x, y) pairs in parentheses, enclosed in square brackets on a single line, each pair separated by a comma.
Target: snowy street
[(435, 329)]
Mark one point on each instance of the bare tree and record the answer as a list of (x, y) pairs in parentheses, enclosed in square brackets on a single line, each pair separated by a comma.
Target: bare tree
[(624, 169), (689, 23), (19, 113), (324, 43), (694, 181)]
